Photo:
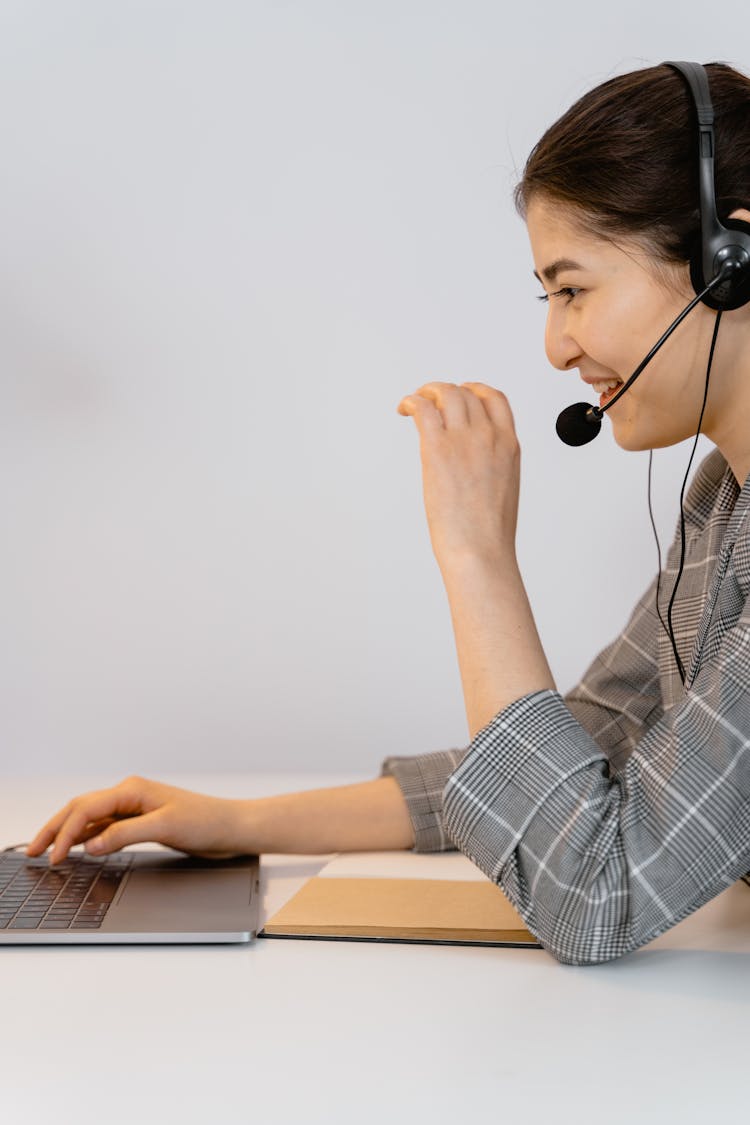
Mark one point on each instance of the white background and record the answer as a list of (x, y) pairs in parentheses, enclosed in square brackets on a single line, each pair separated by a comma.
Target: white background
[(234, 235)]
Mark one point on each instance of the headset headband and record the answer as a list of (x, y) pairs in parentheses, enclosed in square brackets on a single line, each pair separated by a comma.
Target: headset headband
[(724, 245)]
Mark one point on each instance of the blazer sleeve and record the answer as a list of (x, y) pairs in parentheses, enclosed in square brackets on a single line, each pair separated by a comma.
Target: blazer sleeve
[(619, 696), (599, 862), (422, 779)]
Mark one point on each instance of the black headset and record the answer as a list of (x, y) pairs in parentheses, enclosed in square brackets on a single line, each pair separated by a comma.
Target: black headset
[(722, 245), (719, 264)]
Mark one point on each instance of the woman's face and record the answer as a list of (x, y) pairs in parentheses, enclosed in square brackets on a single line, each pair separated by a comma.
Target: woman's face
[(607, 308)]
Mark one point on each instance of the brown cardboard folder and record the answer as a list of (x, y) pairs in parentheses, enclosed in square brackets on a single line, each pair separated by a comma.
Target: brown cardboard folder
[(387, 896)]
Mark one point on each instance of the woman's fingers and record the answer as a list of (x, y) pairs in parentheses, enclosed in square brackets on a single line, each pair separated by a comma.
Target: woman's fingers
[(110, 804), (75, 822), (447, 406), (122, 833), (437, 406), (426, 415), (494, 403), (95, 828), (449, 403), (47, 833)]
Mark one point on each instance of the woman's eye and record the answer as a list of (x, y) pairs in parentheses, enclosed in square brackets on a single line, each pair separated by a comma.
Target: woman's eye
[(568, 292)]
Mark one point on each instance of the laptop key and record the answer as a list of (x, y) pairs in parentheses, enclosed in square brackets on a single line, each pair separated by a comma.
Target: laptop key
[(104, 889)]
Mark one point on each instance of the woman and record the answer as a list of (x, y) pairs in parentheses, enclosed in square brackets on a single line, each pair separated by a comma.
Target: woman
[(609, 815)]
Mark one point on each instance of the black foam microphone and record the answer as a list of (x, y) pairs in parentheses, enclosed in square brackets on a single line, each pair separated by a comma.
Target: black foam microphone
[(580, 423)]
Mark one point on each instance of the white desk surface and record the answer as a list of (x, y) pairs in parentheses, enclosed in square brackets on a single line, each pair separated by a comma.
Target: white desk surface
[(337, 1032)]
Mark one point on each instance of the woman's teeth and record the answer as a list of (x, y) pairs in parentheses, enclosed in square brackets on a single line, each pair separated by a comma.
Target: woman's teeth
[(606, 387)]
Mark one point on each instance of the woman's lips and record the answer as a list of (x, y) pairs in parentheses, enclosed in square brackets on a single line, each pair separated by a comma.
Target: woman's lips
[(604, 398)]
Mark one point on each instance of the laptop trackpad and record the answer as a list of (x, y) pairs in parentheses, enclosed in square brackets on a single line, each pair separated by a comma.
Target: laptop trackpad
[(179, 900)]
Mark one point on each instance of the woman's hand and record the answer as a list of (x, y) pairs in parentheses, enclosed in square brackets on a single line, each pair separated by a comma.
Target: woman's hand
[(470, 469), (137, 810), (471, 472)]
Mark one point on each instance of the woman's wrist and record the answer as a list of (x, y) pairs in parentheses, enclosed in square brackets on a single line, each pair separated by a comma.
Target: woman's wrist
[(500, 563), (368, 816)]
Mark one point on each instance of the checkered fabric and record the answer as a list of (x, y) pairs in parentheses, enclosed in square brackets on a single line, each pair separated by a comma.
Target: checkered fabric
[(611, 814)]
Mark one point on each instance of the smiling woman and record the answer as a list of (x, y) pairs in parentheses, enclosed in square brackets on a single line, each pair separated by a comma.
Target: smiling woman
[(607, 815), (619, 245), (604, 326)]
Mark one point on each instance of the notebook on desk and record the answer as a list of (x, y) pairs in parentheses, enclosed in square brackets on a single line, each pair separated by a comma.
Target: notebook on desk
[(438, 898)]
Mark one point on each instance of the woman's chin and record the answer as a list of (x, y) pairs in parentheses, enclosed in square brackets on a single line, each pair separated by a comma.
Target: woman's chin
[(631, 445), (656, 433), (630, 439), (635, 439)]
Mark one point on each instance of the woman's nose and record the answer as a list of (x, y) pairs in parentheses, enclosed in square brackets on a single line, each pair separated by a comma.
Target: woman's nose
[(563, 350)]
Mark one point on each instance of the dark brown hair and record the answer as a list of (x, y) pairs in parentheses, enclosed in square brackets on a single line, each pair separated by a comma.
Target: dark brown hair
[(625, 156)]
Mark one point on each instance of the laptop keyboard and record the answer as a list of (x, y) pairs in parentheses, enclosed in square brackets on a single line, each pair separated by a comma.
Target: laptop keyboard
[(74, 895)]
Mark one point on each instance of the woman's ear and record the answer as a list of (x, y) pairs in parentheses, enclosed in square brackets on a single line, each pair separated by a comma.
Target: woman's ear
[(741, 213)]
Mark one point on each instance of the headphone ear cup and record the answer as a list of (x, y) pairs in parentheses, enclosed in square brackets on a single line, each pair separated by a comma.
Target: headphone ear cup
[(733, 294)]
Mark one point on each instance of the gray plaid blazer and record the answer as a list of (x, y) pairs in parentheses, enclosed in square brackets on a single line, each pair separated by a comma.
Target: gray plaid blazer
[(609, 815)]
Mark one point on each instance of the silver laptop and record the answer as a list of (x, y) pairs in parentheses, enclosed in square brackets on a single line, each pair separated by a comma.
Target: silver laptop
[(130, 897)]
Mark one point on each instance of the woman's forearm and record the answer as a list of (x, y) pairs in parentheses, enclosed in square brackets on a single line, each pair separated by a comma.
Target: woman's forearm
[(369, 816), (500, 655)]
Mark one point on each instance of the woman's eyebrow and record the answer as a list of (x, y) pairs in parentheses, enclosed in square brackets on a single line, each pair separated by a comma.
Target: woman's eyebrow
[(550, 272)]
